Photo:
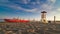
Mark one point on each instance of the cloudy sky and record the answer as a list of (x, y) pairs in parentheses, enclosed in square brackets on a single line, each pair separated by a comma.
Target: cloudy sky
[(29, 9)]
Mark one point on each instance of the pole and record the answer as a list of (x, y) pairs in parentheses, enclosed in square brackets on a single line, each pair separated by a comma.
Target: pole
[(54, 19)]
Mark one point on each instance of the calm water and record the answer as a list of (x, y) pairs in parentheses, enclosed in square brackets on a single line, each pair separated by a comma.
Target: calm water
[(1, 20)]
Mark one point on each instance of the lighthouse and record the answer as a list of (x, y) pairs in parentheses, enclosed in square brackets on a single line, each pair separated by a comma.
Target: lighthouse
[(43, 17)]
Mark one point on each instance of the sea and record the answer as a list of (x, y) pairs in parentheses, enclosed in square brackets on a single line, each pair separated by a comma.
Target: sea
[(1, 20)]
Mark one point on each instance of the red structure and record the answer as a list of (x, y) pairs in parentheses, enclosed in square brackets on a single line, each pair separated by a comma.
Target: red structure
[(16, 21)]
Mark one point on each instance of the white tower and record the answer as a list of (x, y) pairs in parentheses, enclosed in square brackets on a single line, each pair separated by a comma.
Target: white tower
[(43, 17)]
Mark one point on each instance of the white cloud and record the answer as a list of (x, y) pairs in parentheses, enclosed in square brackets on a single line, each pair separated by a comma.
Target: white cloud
[(42, 7), (3, 1), (46, 7), (58, 9), (20, 8), (31, 10), (25, 1), (33, 3), (38, 2), (53, 1)]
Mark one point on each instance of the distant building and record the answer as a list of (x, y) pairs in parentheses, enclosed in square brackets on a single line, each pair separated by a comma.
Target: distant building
[(43, 17)]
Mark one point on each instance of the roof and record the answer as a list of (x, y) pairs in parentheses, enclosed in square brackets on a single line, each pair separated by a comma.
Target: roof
[(44, 12)]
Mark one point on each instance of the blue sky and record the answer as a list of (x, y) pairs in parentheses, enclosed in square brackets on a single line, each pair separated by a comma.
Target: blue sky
[(29, 9)]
